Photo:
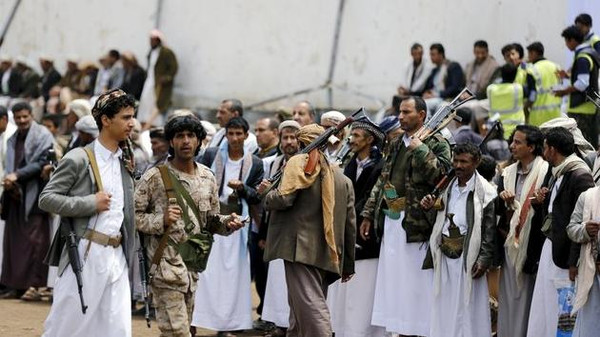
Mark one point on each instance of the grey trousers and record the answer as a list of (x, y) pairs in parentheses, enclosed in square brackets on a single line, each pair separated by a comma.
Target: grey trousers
[(307, 292)]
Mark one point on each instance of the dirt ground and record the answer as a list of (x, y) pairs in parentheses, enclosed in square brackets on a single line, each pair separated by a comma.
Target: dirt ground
[(24, 319)]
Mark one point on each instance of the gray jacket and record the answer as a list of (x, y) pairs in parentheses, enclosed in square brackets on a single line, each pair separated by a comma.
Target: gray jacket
[(38, 141), (71, 193)]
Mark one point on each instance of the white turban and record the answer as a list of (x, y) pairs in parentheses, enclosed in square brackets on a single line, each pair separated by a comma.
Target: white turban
[(88, 125)]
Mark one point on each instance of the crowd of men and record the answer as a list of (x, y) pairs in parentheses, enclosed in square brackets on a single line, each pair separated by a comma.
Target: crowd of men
[(378, 231)]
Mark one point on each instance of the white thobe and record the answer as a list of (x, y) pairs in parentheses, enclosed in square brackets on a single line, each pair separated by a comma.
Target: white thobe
[(276, 308), (452, 315), (223, 297), (403, 291), (148, 96), (105, 275), (351, 303), (543, 315)]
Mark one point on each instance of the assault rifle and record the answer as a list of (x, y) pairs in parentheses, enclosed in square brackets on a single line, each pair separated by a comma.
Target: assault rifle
[(75, 262), (318, 143), (444, 115), (443, 183), (144, 280), (593, 97)]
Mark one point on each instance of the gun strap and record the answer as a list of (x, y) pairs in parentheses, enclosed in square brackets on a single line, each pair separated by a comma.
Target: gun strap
[(164, 173), (96, 173), (95, 170)]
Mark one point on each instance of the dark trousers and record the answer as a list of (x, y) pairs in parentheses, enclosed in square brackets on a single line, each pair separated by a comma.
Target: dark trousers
[(258, 269)]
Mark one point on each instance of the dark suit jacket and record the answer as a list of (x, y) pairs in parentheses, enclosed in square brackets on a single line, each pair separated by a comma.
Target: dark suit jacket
[(362, 189), (15, 84), (133, 82), (49, 79), (454, 82), (254, 178), (565, 252)]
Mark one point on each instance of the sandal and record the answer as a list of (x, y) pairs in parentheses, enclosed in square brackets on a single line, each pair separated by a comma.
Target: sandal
[(32, 295), (277, 332)]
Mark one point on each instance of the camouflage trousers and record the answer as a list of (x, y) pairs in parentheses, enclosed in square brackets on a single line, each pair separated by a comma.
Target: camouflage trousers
[(173, 311)]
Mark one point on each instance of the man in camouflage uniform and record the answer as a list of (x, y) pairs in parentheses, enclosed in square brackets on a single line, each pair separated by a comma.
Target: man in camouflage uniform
[(404, 291), (173, 285)]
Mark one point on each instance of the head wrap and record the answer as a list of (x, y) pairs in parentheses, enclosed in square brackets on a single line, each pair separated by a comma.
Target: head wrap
[(308, 133), (372, 129), (46, 57), (209, 128), (289, 124), (80, 107), (295, 178), (389, 124), (333, 117), (88, 125), (582, 145), (157, 34)]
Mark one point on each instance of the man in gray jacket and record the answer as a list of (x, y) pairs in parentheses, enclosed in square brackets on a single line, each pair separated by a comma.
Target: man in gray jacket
[(26, 234), (103, 221)]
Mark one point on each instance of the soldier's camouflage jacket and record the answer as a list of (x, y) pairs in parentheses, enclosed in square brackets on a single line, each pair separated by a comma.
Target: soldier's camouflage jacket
[(414, 174)]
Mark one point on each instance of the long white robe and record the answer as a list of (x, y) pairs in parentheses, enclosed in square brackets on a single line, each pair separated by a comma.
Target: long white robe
[(403, 291), (514, 302), (276, 308), (53, 271), (148, 97), (543, 315), (450, 315), (588, 317), (223, 297), (351, 303), (105, 277)]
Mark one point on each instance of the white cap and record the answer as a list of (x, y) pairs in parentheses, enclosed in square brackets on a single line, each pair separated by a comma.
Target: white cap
[(334, 117), (88, 125)]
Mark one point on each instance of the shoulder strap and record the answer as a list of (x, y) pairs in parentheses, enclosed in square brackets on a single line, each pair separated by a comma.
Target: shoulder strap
[(186, 196), (164, 173), (95, 169)]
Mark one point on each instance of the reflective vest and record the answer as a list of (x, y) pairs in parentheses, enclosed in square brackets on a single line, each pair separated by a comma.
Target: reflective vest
[(521, 77), (546, 105), (578, 102), (506, 99), (593, 40)]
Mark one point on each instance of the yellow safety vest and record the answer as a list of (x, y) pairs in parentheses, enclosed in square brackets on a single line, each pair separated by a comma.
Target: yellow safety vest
[(546, 105), (587, 108), (521, 77), (506, 99), (593, 40)]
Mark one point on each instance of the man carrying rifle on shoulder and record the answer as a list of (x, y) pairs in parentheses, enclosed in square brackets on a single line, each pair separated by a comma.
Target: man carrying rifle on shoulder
[(97, 231), (177, 207), (403, 292), (313, 229)]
